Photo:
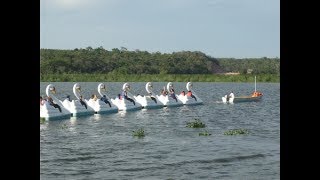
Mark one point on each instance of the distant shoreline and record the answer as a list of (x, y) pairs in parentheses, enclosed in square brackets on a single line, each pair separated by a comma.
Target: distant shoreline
[(272, 78)]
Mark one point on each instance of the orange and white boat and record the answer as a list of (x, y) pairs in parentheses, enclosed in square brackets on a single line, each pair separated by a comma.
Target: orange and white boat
[(255, 96)]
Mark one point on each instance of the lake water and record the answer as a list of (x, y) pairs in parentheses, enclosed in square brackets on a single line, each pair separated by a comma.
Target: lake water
[(102, 146)]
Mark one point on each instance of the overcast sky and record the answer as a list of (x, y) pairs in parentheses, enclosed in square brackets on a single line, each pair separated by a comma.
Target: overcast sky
[(219, 28)]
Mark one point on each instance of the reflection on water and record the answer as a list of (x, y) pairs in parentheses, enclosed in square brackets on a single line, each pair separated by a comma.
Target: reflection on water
[(102, 146)]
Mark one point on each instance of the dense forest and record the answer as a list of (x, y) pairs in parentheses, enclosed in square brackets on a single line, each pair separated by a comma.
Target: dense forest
[(122, 61), (262, 65)]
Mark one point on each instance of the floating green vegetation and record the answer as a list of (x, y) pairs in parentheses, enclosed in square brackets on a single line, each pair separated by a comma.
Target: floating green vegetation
[(138, 133), (42, 120), (236, 132), (196, 124), (205, 133), (64, 126)]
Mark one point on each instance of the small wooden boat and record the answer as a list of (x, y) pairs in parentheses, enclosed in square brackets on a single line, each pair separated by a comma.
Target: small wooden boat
[(246, 98), (255, 96)]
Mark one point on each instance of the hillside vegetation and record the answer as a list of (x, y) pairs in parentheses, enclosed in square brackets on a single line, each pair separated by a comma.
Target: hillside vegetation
[(123, 64)]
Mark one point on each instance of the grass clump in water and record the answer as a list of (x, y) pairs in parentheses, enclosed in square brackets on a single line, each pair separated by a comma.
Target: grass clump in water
[(42, 120), (205, 133), (236, 132), (196, 124), (64, 126), (138, 133)]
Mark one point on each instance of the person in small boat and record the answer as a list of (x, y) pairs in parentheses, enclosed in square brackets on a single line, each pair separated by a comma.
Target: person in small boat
[(256, 94), (50, 100), (173, 95), (42, 101), (163, 92), (153, 98), (46, 101), (94, 97), (82, 102), (68, 98), (183, 93), (125, 96), (104, 99), (191, 95)]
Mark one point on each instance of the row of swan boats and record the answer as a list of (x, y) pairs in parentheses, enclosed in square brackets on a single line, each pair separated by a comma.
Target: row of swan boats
[(80, 107)]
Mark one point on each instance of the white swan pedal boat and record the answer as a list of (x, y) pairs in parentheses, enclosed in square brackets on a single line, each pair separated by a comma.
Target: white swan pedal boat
[(189, 100), (48, 112), (149, 101), (123, 104), (167, 100), (76, 107), (99, 106)]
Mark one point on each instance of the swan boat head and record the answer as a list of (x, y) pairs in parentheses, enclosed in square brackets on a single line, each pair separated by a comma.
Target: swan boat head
[(101, 89), (149, 87), (126, 87), (169, 86), (77, 90), (189, 86), (50, 90)]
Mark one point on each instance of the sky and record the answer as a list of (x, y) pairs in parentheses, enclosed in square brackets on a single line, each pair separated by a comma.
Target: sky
[(218, 28)]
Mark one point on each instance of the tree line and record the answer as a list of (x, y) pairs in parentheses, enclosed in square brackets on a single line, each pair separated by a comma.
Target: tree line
[(121, 61), (84, 77), (262, 65)]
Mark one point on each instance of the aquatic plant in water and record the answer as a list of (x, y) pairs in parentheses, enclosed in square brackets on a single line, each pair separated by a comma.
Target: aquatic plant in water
[(236, 132), (64, 126), (42, 120), (138, 133), (205, 133), (196, 124)]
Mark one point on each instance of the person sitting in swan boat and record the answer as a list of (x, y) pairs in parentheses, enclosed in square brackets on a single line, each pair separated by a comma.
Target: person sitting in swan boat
[(94, 97), (153, 98), (82, 102), (42, 101), (164, 92), (183, 93), (50, 100), (124, 94), (104, 99), (191, 95), (173, 95), (68, 98)]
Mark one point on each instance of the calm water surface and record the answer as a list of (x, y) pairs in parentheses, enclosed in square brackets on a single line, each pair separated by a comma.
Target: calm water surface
[(102, 146)]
